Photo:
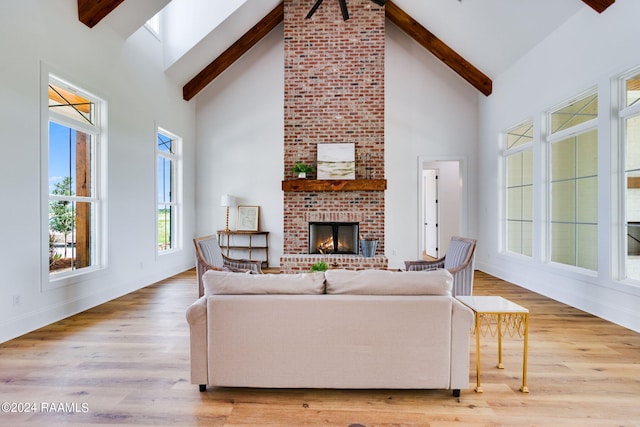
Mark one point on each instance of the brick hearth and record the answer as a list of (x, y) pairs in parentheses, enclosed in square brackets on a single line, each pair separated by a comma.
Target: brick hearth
[(334, 93)]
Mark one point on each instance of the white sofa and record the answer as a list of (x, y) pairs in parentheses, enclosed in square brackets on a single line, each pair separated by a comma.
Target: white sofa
[(339, 329)]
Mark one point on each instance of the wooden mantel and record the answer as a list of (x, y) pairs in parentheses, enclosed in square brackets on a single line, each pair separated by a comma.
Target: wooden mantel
[(313, 185)]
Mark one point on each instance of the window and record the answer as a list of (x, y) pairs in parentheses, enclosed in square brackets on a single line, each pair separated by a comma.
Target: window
[(573, 188), (630, 132), (153, 25), (74, 211), (167, 148), (518, 166)]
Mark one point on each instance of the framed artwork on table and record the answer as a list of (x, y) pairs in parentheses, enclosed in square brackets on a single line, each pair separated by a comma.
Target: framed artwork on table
[(248, 218)]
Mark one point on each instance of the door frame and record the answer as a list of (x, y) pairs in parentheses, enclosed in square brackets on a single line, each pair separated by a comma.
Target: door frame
[(463, 211)]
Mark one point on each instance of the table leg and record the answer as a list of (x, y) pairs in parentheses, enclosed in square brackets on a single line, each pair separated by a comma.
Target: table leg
[(478, 388), (500, 365), (524, 387)]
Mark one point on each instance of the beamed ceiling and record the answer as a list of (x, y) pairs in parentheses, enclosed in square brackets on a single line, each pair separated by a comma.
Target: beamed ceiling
[(90, 12)]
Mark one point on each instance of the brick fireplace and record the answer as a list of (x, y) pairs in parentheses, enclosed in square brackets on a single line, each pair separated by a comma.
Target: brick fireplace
[(334, 93)]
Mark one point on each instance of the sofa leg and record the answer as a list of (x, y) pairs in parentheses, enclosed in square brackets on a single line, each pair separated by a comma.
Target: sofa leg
[(456, 392), (203, 387)]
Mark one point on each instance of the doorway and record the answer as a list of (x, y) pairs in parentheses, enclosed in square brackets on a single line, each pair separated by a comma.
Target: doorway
[(430, 182), (442, 214)]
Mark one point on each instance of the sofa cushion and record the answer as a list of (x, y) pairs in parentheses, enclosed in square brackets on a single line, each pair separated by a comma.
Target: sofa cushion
[(385, 282), (229, 283)]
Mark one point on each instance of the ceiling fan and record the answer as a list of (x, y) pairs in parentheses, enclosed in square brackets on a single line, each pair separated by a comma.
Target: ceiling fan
[(343, 8)]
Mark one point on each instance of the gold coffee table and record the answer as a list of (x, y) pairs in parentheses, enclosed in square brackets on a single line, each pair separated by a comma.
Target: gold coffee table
[(497, 315)]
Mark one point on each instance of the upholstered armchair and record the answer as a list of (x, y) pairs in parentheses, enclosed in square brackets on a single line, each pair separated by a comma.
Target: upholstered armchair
[(209, 256), (458, 260)]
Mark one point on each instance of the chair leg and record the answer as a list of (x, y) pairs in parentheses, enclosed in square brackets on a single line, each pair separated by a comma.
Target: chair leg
[(456, 392)]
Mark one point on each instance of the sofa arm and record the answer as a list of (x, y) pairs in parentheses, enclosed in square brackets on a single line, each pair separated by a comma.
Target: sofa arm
[(197, 319), (461, 324)]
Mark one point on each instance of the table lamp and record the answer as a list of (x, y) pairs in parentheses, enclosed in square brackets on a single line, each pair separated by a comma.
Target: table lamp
[(228, 202)]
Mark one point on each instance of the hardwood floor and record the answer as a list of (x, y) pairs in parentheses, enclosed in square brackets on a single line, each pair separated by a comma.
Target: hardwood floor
[(126, 363)]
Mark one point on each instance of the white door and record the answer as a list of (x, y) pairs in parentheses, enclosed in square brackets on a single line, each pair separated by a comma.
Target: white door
[(430, 240)]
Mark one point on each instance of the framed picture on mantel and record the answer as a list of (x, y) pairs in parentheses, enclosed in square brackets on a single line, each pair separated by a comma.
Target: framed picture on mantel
[(336, 161), (248, 218)]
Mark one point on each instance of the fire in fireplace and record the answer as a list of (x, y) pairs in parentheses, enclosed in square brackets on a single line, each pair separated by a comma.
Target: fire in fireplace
[(333, 237)]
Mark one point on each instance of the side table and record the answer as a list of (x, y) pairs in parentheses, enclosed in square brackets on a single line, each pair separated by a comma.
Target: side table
[(497, 315)]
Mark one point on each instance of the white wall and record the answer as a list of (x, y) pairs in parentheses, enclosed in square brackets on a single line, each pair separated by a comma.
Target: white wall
[(240, 134), (587, 51), (430, 111), (128, 74)]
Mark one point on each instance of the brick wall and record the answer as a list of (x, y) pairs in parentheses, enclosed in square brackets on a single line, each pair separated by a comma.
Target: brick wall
[(334, 93)]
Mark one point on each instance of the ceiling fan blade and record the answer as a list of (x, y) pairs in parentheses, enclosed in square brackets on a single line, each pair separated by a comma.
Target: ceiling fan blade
[(343, 8), (379, 2), (313, 9)]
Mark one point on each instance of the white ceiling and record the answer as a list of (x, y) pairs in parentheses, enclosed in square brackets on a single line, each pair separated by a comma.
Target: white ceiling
[(491, 34)]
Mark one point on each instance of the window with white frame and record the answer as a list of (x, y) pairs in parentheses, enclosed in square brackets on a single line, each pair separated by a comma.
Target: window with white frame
[(167, 215), (153, 25), (630, 133), (518, 167), (573, 183), (74, 131)]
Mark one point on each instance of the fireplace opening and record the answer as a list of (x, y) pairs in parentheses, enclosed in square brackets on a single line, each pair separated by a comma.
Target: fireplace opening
[(333, 237)]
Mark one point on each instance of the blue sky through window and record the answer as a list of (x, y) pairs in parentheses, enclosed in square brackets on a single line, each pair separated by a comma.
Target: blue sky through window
[(62, 156)]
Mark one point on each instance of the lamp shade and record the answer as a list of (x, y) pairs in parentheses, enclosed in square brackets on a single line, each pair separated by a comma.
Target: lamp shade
[(228, 201)]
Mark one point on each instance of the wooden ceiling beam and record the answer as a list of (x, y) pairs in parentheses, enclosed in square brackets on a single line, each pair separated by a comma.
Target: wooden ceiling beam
[(234, 52), (90, 12), (599, 5), (437, 47)]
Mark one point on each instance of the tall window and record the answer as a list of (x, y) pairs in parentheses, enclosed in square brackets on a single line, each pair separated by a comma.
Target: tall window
[(74, 203), (573, 192), (167, 148), (630, 116), (518, 164)]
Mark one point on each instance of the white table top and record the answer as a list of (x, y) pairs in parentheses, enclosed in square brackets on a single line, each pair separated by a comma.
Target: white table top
[(491, 304)]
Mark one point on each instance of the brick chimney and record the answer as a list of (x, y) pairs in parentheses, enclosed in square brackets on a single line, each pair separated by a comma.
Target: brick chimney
[(334, 93)]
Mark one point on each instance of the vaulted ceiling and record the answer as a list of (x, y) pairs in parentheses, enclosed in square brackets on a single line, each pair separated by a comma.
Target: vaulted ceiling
[(476, 39)]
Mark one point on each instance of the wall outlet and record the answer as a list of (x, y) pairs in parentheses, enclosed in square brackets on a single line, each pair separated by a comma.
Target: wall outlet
[(17, 300)]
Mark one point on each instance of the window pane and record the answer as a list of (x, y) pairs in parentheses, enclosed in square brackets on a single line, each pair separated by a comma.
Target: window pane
[(165, 143), (587, 154), (563, 201), (527, 238), (514, 203), (633, 143), (527, 167), (70, 104), (527, 203), (520, 135), (563, 243), (587, 200), (164, 180), (563, 159), (514, 236), (70, 162), (165, 226), (586, 247), (71, 226), (577, 112), (514, 170), (632, 93)]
